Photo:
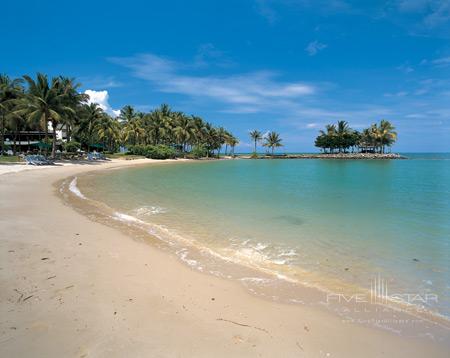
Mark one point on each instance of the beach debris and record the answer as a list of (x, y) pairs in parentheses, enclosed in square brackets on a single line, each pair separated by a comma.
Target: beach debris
[(416, 260), (299, 346), (26, 298), (346, 269), (45, 258), (242, 325), (306, 328), (20, 293), (49, 278), (11, 251), (213, 299)]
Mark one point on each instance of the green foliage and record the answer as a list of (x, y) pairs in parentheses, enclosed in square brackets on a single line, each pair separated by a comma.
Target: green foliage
[(199, 151), (50, 104), (341, 137), (72, 146), (273, 140), (159, 151), (10, 159)]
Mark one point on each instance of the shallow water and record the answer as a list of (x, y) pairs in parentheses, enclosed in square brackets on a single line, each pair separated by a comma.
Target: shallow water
[(325, 223)]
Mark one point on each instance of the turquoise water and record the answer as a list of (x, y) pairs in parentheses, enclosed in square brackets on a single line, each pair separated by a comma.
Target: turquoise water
[(319, 222)]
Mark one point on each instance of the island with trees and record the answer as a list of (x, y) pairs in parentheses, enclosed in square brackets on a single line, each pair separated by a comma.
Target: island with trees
[(337, 141)]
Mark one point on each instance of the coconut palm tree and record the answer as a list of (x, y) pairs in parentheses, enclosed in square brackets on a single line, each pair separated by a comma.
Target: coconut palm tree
[(256, 136), (273, 141), (108, 131), (233, 142), (45, 102), (221, 134), (10, 90), (183, 130), (127, 113), (387, 134), (134, 130), (91, 117)]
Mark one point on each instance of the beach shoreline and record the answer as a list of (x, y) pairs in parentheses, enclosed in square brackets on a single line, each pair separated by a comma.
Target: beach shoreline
[(74, 287)]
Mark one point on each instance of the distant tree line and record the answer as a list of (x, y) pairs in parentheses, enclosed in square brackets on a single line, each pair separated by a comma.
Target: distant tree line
[(341, 138), (41, 103)]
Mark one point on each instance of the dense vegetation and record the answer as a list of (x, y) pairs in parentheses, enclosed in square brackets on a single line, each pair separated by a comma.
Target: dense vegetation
[(38, 104), (341, 138)]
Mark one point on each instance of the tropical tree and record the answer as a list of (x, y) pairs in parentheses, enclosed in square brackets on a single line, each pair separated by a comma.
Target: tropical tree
[(273, 141), (184, 130), (90, 120), (233, 142), (256, 136), (341, 137), (133, 130), (56, 104), (10, 91), (46, 103), (387, 134)]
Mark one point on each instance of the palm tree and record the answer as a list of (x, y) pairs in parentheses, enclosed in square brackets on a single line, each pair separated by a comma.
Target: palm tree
[(91, 117), (256, 136), (72, 99), (233, 141), (220, 139), (45, 103), (10, 90), (273, 141), (183, 130), (127, 113), (342, 131), (133, 129), (108, 131), (387, 134)]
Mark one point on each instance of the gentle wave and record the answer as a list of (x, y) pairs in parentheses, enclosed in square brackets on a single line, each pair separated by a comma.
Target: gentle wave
[(148, 210), (74, 189)]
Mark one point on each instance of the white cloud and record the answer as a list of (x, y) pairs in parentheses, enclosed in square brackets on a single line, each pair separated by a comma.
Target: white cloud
[(101, 98), (246, 92), (314, 47), (312, 125), (441, 62)]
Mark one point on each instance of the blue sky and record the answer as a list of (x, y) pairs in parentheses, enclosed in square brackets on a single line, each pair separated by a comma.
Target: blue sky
[(285, 65)]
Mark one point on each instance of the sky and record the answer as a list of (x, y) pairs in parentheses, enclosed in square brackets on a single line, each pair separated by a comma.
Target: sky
[(291, 66)]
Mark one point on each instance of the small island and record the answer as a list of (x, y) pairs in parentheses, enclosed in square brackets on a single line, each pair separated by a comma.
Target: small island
[(337, 141)]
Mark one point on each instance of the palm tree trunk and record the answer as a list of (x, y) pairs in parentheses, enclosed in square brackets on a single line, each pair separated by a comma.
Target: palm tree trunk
[(15, 141), (3, 135), (46, 134), (54, 140)]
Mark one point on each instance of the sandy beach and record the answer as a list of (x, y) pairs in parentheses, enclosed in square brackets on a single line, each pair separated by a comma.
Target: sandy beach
[(71, 287)]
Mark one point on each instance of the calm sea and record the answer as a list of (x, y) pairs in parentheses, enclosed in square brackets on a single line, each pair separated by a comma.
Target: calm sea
[(322, 223)]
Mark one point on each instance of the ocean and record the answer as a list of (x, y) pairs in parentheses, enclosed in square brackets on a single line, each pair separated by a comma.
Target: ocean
[(335, 225)]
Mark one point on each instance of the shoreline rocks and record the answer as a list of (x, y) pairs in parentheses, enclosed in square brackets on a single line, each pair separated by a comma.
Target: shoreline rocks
[(370, 156)]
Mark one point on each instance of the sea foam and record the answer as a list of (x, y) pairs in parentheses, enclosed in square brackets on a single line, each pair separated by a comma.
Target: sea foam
[(74, 189)]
